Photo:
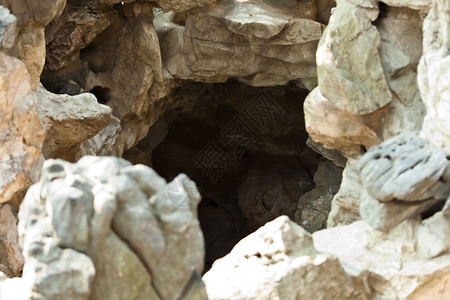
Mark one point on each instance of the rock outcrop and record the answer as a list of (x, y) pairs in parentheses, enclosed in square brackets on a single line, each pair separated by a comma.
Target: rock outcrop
[(21, 132), (103, 228)]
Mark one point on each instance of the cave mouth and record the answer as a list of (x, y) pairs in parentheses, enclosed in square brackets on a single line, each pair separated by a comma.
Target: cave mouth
[(245, 147)]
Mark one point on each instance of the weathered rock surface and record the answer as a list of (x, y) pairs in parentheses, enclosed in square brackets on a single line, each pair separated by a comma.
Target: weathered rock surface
[(433, 71), (411, 261), (278, 261), (348, 59), (314, 207), (21, 132), (402, 177), (29, 45), (104, 229), (69, 121), (7, 28), (345, 204), (11, 259), (255, 42)]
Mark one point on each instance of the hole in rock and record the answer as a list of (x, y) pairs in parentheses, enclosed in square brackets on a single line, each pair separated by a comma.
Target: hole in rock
[(245, 147), (102, 94)]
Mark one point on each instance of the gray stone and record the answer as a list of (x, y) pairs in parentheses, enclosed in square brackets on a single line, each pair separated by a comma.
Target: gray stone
[(7, 28), (406, 168)]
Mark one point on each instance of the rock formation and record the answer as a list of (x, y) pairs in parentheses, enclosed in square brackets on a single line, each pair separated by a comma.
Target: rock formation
[(316, 132)]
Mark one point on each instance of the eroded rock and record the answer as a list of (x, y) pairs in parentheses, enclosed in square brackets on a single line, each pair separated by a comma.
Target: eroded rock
[(103, 228), (11, 259), (69, 121), (278, 261), (21, 132)]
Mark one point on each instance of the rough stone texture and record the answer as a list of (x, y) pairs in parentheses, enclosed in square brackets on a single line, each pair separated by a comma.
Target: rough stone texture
[(314, 206), (278, 261), (345, 204), (29, 46), (271, 189), (348, 59), (102, 144), (255, 42), (345, 96), (104, 229), (433, 72), (411, 261), (11, 259), (21, 132), (69, 121), (406, 168), (78, 25), (7, 28), (402, 177)]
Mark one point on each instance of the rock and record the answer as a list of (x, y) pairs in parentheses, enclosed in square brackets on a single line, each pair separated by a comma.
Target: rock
[(328, 126), (349, 47), (432, 71), (270, 189), (21, 132), (103, 228), (314, 206), (411, 261), (69, 121), (7, 28), (414, 4), (101, 144), (29, 45), (405, 168), (257, 44), (11, 259), (278, 261), (333, 155), (75, 29), (402, 177), (345, 204)]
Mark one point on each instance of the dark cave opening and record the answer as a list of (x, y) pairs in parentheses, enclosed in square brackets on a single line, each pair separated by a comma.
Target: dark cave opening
[(245, 147)]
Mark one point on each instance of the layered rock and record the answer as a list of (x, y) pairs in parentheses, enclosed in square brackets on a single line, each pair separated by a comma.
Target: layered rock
[(260, 43), (106, 229), (401, 178)]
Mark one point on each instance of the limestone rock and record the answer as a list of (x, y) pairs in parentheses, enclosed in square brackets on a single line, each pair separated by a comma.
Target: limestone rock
[(405, 168), (254, 43), (432, 73), (75, 29), (69, 121), (411, 261), (104, 229), (270, 189), (349, 48), (402, 177), (21, 132), (278, 261), (29, 45), (102, 144), (11, 259), (345, 204), (328, 126), (7, 28), (314, 206)]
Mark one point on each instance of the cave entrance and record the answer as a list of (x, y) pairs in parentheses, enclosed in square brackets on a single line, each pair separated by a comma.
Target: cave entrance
[(245, 147)]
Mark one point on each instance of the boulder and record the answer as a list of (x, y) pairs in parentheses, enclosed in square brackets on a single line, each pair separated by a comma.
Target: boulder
[(104, 229), (279, 261), (69, 121)]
